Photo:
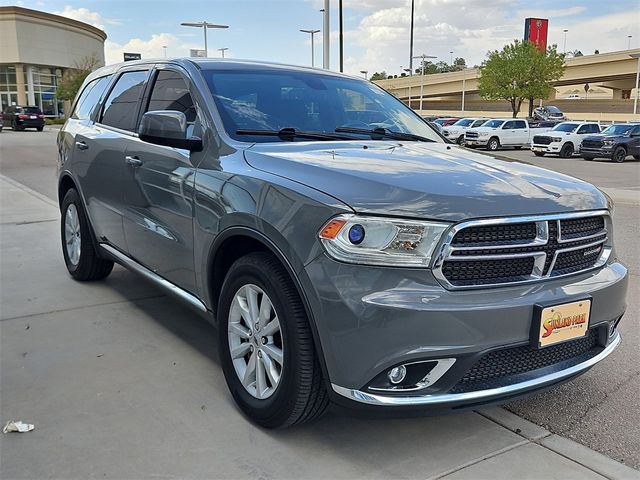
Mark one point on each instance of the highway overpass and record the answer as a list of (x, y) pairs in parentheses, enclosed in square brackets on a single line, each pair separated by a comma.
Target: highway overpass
[(614, 70)]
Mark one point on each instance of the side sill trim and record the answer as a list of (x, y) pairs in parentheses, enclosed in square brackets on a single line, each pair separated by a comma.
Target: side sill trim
[(163, 283), (480, 395)]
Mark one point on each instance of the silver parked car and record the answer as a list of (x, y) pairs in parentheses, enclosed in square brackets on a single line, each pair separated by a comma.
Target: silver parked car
[(346, 252)]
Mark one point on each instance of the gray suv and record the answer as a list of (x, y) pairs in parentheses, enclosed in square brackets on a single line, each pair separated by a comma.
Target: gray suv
[(345, 251)]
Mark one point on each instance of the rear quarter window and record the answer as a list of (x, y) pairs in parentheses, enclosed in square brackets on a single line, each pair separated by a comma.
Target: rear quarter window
[(89, 98)]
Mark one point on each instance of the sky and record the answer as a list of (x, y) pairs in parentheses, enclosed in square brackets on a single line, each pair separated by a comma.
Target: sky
[(376, 32)]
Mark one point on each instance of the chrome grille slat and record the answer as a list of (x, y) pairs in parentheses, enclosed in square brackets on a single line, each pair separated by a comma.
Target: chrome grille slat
[(461, 263)]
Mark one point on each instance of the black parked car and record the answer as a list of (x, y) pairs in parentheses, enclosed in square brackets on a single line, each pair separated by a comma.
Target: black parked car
[(616, 142), (19, 118)]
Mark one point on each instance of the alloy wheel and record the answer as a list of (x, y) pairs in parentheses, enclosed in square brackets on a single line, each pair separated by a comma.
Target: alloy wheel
[(255, 341), (72, 237)]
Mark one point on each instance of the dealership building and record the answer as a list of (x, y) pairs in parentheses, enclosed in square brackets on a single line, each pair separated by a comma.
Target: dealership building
[(37, 50)]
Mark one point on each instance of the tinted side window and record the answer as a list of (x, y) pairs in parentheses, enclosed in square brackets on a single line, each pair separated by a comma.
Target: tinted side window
[(89, 98), (170, 92), (509, 125), (636, 131), (120, 107), (520, 124)]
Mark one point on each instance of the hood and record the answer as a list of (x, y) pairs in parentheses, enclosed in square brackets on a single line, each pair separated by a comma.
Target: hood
[(424, 180), (602, 136)]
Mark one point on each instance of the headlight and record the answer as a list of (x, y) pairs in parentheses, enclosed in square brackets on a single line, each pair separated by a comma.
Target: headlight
[(381, 241), (556, 139), (608, 142), (483, 134)]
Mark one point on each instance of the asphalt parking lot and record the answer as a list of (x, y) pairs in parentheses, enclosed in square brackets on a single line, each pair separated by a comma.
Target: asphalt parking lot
[(123, 382)]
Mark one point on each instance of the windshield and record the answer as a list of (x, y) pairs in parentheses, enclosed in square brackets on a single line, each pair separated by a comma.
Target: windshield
[(565, 127), (463, 122), (618, 129), (31, 110), (478, 123), (309, 102), (493, 123), (553, 110)]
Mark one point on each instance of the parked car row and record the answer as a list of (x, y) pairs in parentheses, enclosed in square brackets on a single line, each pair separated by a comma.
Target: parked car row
[(545, 137)]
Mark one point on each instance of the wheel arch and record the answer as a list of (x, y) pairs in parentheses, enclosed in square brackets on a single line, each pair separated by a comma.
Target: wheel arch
[(237, 241)]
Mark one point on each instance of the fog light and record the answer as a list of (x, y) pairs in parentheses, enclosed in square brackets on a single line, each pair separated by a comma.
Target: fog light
[(397, 374)]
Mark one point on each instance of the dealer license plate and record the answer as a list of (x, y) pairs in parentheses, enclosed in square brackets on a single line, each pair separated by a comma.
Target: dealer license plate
[(559, 323)]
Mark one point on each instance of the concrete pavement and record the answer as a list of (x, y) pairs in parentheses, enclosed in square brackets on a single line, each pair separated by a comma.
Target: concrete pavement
[(124, 382)]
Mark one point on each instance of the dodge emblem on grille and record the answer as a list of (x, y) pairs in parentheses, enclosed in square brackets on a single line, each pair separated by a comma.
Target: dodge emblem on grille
[(590, 252)]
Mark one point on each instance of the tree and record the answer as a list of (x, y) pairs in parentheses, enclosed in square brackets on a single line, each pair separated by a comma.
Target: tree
[(379, 75), (72, 80), (518, 72)]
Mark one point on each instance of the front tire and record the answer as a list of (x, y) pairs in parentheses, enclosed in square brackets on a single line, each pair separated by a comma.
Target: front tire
[(266, 345), (493, 144), (40, 129), (619, 154), (80, 255), (566, 151), (539, 154)]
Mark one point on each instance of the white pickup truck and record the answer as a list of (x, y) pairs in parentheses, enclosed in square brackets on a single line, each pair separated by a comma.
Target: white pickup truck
[(564, 139), (455, 132), (505, 132)]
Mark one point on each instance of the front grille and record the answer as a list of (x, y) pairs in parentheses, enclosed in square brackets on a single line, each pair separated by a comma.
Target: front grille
[(581, 227), (597, 144), (471, 135), (501, 252), (496, 234), (498, 367), (487, 271), (540, 140)]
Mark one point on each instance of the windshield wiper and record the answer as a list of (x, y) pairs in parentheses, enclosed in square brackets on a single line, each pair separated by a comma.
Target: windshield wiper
[(379, 133), (289, 133)]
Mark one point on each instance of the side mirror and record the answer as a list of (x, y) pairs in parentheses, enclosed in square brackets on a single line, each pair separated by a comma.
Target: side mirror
[(168, 128)]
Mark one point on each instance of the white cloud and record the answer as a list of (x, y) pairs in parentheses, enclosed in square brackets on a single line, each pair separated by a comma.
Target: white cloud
[(87, 16), (149, 48), (469, 28)]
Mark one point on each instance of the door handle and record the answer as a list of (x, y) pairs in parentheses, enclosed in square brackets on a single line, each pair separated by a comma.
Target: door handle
[(82, 146), (133, 161)]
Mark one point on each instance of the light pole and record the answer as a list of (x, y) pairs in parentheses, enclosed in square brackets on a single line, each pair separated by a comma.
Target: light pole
[(365, 73), (312, 32), (409, 71), (629, 37), (423, 57), (222, 50), (326, 32), (451, 56), (635, 100), (564, 48), (165, 50), (464, 77), (204, 26)]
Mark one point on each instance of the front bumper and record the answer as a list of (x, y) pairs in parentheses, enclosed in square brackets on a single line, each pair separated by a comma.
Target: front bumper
[(370, 319), (604, 152), (476, 142), (551, 148)]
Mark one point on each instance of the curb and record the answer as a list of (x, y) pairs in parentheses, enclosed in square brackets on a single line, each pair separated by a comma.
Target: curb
[(594, 461)]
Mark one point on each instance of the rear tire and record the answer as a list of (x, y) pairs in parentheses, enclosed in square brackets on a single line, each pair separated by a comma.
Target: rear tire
[(40, 129), (78, 250), (619, 154), (585, 157), (539, 154), (298, 394), (518, 148), (493, 144), (637, 157), (566, 151)]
